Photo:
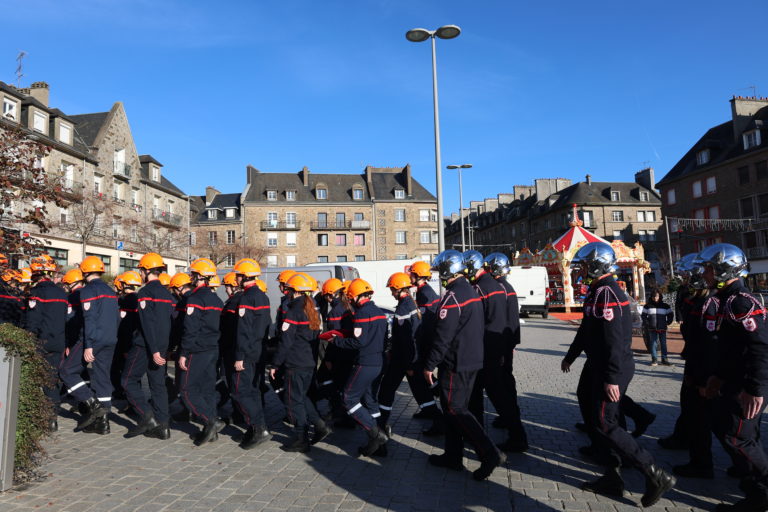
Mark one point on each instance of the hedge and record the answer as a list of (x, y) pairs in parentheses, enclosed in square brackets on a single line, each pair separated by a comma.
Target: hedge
[(35, 410)]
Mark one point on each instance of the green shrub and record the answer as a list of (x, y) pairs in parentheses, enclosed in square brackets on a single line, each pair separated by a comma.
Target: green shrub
[(35, 410)]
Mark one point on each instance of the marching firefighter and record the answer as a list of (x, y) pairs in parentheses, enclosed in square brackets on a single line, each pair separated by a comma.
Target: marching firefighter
[(10, 299), (227, 332), (276, 381), (337, 361), (180, 287)]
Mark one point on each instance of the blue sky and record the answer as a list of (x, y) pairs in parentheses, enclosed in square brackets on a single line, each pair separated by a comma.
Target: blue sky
[(529, 90)]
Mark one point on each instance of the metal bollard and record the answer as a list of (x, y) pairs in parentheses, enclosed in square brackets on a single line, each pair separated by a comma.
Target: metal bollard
[(10, 371)]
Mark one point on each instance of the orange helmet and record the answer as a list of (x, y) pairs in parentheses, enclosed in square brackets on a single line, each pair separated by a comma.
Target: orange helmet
[(131, 278), (43, 263), (247, 267), (165, 278), (301, 283), (214, 282), (25, 275), (72, 276), (3, 259), (421, 269), (358, 287), (230, 279), (118, 282), (399, 280), (9, 275), (151, 260), (331, 286), (91, 264), (180, 279), (262, 285), (285, 275), (345, 285), (203, 267)]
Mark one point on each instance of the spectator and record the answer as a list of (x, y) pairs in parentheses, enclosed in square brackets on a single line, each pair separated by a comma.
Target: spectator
[(657, 315)]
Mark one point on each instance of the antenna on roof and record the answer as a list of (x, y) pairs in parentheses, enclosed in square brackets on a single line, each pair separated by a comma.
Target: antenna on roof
[(646, 164), (753, 88), (20, 67)]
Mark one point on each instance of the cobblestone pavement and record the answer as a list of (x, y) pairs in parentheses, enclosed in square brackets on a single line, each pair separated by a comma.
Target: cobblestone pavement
[(110, 473)]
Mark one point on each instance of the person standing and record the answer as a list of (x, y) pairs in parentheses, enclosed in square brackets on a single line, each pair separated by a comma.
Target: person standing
[(657, 315), (10, 300), (180, 287)]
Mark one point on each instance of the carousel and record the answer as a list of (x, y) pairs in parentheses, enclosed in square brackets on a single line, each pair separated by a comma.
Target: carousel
[(556, 258)]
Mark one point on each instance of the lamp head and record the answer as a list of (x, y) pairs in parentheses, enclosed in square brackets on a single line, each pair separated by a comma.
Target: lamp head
[(448, 32), (417, 35)]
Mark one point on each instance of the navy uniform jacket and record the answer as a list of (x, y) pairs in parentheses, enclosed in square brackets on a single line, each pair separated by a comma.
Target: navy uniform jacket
[(298, 343), (10, 306), (100, 314), (684, 315), (228, 325), (201, 321), (177, 322), (369, 332), (456, 344), (605, 333), (428, 303), (405, 325), (155, 316), (47, 315), (339, 318), (700, 321), (657, 316), (74, 327), (252, 324), (742, 341), (513, 313), (128, 328)]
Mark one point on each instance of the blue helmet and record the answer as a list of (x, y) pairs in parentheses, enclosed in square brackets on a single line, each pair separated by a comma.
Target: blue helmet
[(449, 263), (726, 260), (597, 258), (474, 262), (684, 266), (497, 264)]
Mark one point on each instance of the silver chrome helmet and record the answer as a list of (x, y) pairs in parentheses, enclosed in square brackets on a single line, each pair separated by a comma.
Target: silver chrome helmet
[(684, 265), (497, 264), (597, 258), (449, 263), (473, 261), (727, 261)]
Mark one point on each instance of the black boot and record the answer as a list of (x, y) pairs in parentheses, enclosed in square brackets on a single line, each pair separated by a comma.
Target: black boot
[(437, 429), (161, 431), (299, 444), (427, 413), (210, 432), (322, 431), (94, 410), (642, 424), (610, 484), (145, 424), (376, 439), (488, 465), (99, 426), (443, 461), (691, 470), (346, 422), (657, 482), (255, 436)]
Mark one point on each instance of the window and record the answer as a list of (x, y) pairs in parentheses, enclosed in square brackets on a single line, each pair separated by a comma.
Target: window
[(359, 217), (10, 109), (401, 256), (230, 236), (702, 157), (747, 207), (751, 139), (359, 257), (341, 258), (587, 217), (650, 216), (617, 216), (699, 214), (644, 196), (322, 239), (617, 235), (642, 235), (424, 237), (423, 215), (64, 215), (399, 193), (229, 260), (321, 193), (341, 220), (290, 219), (290, 260), (271, 195), (290, 239), (156, 173), (399, 215), (711, 185), (212, 238), (192, 238), (271, 239), (743, 175), (357, 194), (640, 216), (272, 219), (400, 237), (762, 205), (212, 214), (341, 239), (65, 133), (322, 220), (359, 239), (134, 197), (97, 185), (761, 170), (290, 195), (651, 235), (671, 196), (615, 196), (696, 188), (127, 264), (673, 226), (714, 212), (229, 213), (272, 260), (322, 259), (39, 122)]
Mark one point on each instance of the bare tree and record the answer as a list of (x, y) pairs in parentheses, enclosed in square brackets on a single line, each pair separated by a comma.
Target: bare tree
[(219, 252), (88, 217), (150, 237)]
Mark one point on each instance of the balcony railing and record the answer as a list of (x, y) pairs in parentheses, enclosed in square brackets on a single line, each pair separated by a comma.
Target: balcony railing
[(71, 187), (164, 217), (122, 170), (269, 225), (346, 225)]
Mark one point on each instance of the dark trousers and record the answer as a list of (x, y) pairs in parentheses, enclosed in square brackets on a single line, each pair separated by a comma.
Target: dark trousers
[(741, 440), (700, 433), (137, 364), (393, 376), (198, 387), (301, 410), (627, 406), (340, 371), (460, 425), (116, 371), (278, 383), (360, 395), (53, 391), (244, 387), (71, 371), (501, 387)]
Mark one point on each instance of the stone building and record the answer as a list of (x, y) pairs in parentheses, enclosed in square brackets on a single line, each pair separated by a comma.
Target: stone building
[(119, 203), (718, 191)]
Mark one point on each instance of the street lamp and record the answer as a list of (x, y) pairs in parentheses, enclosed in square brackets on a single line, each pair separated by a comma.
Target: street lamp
[(418, 35), (461, 201)]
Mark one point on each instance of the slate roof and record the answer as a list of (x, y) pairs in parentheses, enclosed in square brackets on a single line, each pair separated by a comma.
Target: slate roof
[(722, 147), (87, 126), (165, 183), (384, 184), (220, 202)]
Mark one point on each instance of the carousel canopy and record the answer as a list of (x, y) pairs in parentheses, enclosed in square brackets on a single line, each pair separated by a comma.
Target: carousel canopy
[(576, 234)]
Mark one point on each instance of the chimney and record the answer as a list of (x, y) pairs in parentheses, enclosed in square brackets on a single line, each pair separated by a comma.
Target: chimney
[(250, 173), (742, 111), (210, 195), (39, 91), (454, 216), (589, 179), (645, 178), (305, 176), (408, 180), (505, 198), (369, 180)]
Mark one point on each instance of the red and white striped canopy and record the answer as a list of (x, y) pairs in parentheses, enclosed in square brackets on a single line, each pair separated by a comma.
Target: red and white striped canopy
[(573, 236)]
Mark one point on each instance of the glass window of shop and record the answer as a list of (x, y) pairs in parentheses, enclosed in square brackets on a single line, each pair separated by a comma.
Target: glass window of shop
[(127, 264)]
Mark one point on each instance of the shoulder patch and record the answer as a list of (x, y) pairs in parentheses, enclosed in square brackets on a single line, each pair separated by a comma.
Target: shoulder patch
[(608, 314), (143, 304), (285, 326), (358, 332), (122, 313), (241, 311), (69, 309), (86, 306), (443, 314), (710, 325), (749, 324), (32, 304), (190, 310)]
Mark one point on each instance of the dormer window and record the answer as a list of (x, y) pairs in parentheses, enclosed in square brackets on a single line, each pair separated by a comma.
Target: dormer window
[(10, 109), (321, 192), (229, 213), (65, 133), (40, 122), (399, 193), (212, 214), (644, 196), (155, 173), (357, 194), (290, 195), (271, 195), (615, 196), (751, 139), (702, 157)]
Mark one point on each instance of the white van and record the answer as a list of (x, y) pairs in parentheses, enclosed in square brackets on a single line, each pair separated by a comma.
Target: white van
[(531, 285)]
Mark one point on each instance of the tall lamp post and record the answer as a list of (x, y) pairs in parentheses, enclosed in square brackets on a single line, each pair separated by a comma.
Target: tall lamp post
[(418, 35), (461, 201)]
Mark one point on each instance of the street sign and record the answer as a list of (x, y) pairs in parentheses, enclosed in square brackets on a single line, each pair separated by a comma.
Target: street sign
[(119, 246)]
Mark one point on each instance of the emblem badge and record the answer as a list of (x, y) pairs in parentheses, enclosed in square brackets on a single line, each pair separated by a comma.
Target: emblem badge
[(190, 310), (241, 311), (143, 304), (286, 326), (86, 306), (358, 332), (122, 314), (711, 325), (69, 310), (443, 314), (608, 314), (750, 324), (32, 304)]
